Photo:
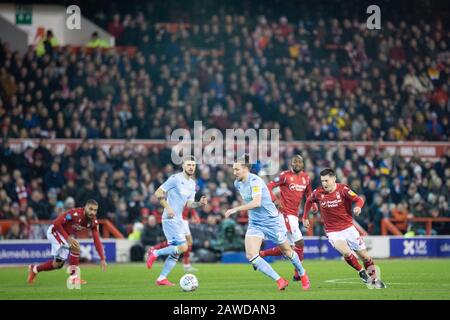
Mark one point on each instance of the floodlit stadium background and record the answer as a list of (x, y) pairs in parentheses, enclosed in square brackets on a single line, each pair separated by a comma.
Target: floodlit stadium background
[(89, 117)]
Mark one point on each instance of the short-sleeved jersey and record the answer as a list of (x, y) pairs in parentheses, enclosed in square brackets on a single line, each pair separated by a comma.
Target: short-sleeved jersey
[(248, 189), (75, 220), (292, 188), (335, 207), (179, 191)]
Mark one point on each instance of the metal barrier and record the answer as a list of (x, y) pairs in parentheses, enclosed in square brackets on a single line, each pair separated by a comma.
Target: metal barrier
[(388, 224)]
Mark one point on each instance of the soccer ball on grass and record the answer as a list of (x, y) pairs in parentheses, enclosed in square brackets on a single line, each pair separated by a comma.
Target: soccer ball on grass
[(189, 282)]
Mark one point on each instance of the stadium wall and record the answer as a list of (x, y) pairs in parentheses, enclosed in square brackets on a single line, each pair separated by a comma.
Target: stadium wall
[(13, 252), (54, 17), (16, 37)]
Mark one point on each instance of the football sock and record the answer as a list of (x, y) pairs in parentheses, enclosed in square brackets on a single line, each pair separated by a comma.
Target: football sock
[(186, 256), (275, 251), (74, 261), (166, 251), (161, 245), (369, 265), (171, 261), (46, 266), (351, 260), (299, 251), (297, 263), (261, 265)]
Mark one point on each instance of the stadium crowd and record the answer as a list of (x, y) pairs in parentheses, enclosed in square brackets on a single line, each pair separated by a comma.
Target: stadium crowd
[(317, 78), (38, 183)]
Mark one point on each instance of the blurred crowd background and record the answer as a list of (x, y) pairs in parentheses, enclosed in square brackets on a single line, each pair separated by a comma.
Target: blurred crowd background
[(311, 69)]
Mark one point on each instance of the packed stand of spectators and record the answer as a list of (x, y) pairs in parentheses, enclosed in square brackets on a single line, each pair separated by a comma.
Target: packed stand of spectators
[(317, 75), (38, 183)]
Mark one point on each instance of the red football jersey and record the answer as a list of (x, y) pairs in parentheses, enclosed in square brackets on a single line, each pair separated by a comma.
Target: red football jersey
[(335, 207), (189, 213), (292, 188), (74, 220)]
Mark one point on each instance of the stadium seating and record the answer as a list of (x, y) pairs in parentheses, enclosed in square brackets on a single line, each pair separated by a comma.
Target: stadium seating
[(317, 79)]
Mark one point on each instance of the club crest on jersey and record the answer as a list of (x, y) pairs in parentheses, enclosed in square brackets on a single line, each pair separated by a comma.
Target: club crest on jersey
[(338, 196)]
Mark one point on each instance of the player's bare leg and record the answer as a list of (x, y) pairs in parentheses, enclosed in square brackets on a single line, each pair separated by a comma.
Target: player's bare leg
[(347, 253), (369, 265), (49, 265), (186, 262), (252, 246), (289, 253)]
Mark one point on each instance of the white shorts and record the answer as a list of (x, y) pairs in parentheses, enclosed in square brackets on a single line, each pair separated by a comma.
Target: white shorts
[(60, 247), (187, 230), (294, 234), (349, 235)]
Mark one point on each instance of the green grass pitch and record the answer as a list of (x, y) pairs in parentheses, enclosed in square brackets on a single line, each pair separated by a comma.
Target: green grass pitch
[(406, 279)]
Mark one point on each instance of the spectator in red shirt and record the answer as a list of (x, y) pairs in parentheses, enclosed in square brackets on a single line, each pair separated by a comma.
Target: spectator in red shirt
[(116, 28)]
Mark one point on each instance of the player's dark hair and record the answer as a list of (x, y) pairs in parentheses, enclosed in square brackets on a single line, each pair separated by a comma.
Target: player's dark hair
[(188, 158), (92, 202), (245, 161), (328, 172)]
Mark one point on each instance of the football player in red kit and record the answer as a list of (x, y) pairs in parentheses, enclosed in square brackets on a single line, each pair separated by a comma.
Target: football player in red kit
[(335, 204), (65, 246), (293, 184)]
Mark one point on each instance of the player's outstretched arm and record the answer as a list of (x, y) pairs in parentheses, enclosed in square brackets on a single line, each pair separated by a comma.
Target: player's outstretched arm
[(195, 204), (99, 247), (255, 203), (359, 202)]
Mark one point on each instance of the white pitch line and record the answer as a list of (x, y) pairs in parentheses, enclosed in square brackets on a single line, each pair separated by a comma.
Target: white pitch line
[(345, 281)]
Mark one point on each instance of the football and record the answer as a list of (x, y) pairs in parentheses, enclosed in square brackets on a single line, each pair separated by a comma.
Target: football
[(189, 282)]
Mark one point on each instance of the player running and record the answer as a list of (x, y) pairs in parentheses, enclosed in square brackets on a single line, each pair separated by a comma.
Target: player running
[(187, 232), (293, 185), (335, 203), (65, 246), (264, 222), (180, 191)]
